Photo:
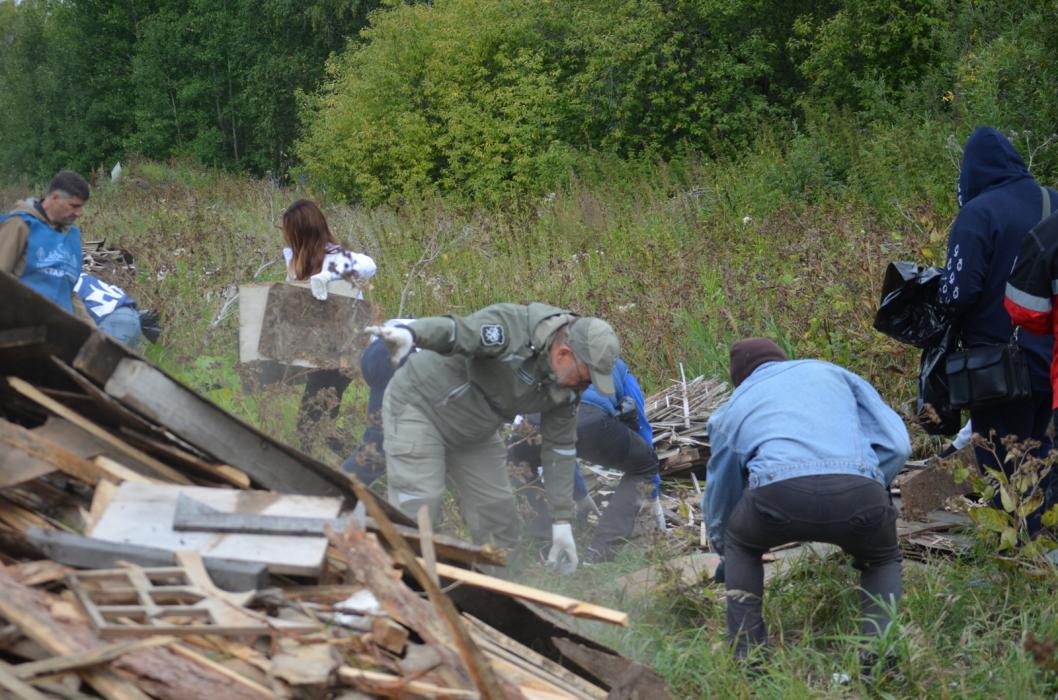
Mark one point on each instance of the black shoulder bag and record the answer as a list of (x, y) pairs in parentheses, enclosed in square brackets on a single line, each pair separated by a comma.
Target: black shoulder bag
[(988, 375)]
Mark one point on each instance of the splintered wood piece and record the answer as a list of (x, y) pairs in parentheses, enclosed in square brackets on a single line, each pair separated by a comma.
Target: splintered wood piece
[(386, 684), (248, 684), (30, 443), (390, 635), (10, 682), (504, 650), (371, 567), (570, 606), (31, 392), (484, 677), (35, 573), (426, 543), (219, 472), (87, 658)]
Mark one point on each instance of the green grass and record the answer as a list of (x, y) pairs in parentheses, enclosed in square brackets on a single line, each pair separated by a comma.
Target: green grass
[(958, 633)]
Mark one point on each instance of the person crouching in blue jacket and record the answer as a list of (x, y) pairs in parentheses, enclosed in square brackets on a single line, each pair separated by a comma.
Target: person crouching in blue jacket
[(613, 432), (803, 451)]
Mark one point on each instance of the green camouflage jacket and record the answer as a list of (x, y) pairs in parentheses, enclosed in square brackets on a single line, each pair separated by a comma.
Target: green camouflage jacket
[(482, 370)]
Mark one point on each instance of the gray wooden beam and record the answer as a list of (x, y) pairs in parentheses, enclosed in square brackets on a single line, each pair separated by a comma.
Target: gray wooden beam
[(89, 553)]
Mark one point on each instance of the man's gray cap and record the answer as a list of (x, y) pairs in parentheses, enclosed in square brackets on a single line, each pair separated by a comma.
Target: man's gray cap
[(595, 344)]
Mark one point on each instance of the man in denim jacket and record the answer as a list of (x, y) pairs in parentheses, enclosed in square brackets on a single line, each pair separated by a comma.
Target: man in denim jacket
[(802, 451)]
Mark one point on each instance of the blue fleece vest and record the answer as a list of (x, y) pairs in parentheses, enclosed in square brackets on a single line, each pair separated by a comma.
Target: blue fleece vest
[(53, 259)]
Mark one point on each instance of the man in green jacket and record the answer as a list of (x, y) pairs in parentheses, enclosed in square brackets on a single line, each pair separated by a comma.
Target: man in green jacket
[(443, 409)]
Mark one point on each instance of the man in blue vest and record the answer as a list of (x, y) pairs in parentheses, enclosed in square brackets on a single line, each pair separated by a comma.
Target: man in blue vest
[(40, 245)]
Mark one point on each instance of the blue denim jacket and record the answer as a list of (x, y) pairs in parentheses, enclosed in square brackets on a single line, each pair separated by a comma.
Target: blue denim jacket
[(798, 418)]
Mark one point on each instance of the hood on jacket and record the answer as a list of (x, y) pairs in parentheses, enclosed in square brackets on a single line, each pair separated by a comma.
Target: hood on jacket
[(989, 160)]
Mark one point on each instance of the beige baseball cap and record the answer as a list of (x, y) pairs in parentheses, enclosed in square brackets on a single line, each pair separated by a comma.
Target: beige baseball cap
[(595, 344)]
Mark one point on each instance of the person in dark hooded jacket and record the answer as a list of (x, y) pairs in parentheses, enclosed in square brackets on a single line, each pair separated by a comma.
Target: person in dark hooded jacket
[(999, 202)]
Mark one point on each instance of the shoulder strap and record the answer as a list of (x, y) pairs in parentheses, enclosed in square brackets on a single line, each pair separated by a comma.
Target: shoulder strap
[(1046, 196)]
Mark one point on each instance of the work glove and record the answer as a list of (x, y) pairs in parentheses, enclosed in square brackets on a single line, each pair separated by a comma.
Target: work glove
[(718, 576), (318, 284), (659, 514), (563, 554), (399, 340)]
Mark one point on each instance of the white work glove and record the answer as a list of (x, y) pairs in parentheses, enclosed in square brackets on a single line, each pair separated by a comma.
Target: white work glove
[(563, 554), (659, 514), (398, 339), (318, 285)]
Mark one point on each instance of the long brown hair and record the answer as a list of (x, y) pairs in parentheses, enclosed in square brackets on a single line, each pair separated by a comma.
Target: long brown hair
[(306, 232)]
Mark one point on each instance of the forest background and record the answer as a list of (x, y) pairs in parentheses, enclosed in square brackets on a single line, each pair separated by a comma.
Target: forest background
[(692, 170)]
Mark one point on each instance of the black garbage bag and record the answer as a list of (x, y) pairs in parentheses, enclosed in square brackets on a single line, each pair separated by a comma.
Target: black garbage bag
[(151, 325), (909, 311), (933, 410)]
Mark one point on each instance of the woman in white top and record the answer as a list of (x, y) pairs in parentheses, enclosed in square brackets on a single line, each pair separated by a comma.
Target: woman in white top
[(314, 255)]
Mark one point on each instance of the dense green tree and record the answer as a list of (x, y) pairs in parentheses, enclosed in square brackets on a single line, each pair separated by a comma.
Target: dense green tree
[(81, 81)]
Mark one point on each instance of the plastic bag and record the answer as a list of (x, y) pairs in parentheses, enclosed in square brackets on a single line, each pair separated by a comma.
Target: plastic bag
[(909, 311), (933, 411)]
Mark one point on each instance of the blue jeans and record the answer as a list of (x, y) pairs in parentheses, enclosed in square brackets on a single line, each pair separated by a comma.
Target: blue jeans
[(123, 324)]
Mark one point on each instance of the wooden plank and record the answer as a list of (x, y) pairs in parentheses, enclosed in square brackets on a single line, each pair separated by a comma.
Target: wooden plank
[(387, 684), (570, 606), (31, 392), (498, 645), (104, 492), (10, 682), (192, 516), (27, 442), (143, 514), (18, 467), (126, 419), (119, 473), (86, 553), (218, 472), (202, 424), (237, 678), (624, 678), (25, 342), (426, 543), (23, 307), (97, 356), (87, 658)]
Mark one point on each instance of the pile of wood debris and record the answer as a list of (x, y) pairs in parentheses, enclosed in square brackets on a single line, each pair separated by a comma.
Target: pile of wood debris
[(678, 416), (153, 545)]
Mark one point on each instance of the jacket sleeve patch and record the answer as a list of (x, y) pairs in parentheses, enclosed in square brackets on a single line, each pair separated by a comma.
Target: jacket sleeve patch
[(493, 335)]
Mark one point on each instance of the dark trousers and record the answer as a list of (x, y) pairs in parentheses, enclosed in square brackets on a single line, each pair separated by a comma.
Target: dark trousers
[(317, 398), (604, 440), (1028, 419), (853, 512), (368, 460)]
